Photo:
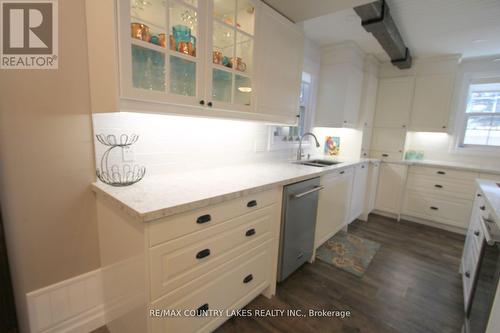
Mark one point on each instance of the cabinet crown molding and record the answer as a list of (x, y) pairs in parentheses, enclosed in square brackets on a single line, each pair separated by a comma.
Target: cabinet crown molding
[(339, 53)]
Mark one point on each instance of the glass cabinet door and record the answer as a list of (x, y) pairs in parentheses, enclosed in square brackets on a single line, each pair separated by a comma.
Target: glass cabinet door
[(163, 49), (232, 53)]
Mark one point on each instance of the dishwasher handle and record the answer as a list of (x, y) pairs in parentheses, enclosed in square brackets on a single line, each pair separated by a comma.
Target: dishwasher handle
[(314, 189)]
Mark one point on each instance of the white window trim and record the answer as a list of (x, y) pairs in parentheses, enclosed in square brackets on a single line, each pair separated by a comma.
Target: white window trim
[(457, 147), (311, 68)]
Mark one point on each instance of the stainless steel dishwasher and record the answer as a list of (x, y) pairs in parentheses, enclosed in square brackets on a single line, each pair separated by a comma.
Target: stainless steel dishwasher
[(300, 203)]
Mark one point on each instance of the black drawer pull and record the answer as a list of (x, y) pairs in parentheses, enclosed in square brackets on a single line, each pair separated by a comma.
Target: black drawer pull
[(479, 195), (209, 104), (252, 203), (203, 253), (433, 208), (341, 172), (204, 219), (385, 155), (362, 167), (476, 232), (467, 274), (441, 173), (200, 311), (202, 102), (438, 186), (248, 278), (482, 207), (250, 232)]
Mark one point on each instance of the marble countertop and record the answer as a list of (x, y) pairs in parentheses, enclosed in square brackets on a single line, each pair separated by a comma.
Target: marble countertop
[(491, 192), (164, 195), (450, 165)]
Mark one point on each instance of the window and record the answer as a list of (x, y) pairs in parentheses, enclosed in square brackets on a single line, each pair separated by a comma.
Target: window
[(481, 124), (283, 136)]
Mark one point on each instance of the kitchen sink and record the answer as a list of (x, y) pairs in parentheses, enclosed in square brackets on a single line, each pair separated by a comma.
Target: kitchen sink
[(318, 163)]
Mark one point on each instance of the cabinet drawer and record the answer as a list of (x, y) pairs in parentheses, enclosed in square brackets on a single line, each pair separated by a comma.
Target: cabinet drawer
[(218, 290), (443, 187), (386, 155), (444, 173), (455, 213), (172, 227), (181, 260)]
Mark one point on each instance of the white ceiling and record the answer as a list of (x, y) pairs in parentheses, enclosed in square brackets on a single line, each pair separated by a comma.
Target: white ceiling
[(428, 27), (300, 10)]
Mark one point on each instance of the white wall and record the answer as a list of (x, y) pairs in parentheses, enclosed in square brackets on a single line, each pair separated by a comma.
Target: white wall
[(441, 146), (174, 143)]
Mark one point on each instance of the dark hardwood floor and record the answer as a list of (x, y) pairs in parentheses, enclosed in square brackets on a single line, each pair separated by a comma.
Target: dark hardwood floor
[(411, 286)]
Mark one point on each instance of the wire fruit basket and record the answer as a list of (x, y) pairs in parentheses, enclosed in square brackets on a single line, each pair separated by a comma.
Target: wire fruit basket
[(114, 174)]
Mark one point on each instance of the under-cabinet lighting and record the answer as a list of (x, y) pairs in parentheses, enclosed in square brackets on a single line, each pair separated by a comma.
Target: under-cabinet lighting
[(245, 89)]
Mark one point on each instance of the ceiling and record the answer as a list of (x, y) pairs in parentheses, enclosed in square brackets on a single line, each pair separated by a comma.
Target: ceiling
[(428, 27), (301, 10)]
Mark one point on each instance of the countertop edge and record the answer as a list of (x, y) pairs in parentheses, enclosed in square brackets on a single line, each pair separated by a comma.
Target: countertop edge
[(197, 204)]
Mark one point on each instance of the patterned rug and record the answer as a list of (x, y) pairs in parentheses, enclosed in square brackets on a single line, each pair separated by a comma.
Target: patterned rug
[(350, 253)]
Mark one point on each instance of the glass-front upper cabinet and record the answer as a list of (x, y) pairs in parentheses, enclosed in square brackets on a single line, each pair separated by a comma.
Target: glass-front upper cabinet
[(231, 64), (161, 50)]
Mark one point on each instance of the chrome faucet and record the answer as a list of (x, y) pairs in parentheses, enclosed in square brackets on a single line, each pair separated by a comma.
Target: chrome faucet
[(299, 152)]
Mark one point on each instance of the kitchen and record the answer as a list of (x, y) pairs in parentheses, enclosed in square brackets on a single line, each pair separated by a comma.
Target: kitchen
[(273, 165)]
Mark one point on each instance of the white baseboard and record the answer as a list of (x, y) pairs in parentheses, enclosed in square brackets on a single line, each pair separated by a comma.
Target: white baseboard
[(73, 305)]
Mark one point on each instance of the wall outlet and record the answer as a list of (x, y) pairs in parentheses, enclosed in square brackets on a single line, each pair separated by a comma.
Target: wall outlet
[(128, 154)]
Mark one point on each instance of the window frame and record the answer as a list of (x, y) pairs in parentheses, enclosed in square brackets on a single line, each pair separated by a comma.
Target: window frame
[(463, 116), (312, 70)]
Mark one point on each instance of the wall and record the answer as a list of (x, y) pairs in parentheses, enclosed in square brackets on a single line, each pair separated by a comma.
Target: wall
[(441, 146), (47, 165)]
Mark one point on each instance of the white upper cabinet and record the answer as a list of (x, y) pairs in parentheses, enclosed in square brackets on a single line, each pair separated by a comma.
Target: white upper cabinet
[(394, 100), (192, 57), (432, 101), (340, 86), (279, 65)]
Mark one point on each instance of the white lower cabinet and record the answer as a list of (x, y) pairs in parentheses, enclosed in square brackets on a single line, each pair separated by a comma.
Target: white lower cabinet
[(333, 205), (392, 177), (359, 188), (219, 257), (371, 189)]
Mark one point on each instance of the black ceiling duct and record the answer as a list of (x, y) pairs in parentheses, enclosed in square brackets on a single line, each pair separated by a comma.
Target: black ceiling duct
[(376, 19)]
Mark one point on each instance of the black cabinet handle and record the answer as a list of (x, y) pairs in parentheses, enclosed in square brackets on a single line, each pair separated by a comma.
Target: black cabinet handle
[(433, 208), (362, 167), (250, 232), (438, 186), (385, 155), (482, 207), (248, 278), (467, 274), (202, 102), (203, 253), (441, 173), (341, 172), (202, 309), (479, 195), (252, 203), (476, 232), (444, 126), (204, 219), (209, 104)]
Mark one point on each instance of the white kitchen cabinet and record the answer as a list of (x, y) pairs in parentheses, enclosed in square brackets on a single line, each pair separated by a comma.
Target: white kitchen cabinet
[(216, 257), (368, 102), (333, 204), (388, 143), (340, 86), (192, 58), (391, 186), (359, 188), (432, 101), (279, 65), (371, 189), (394, 100)]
